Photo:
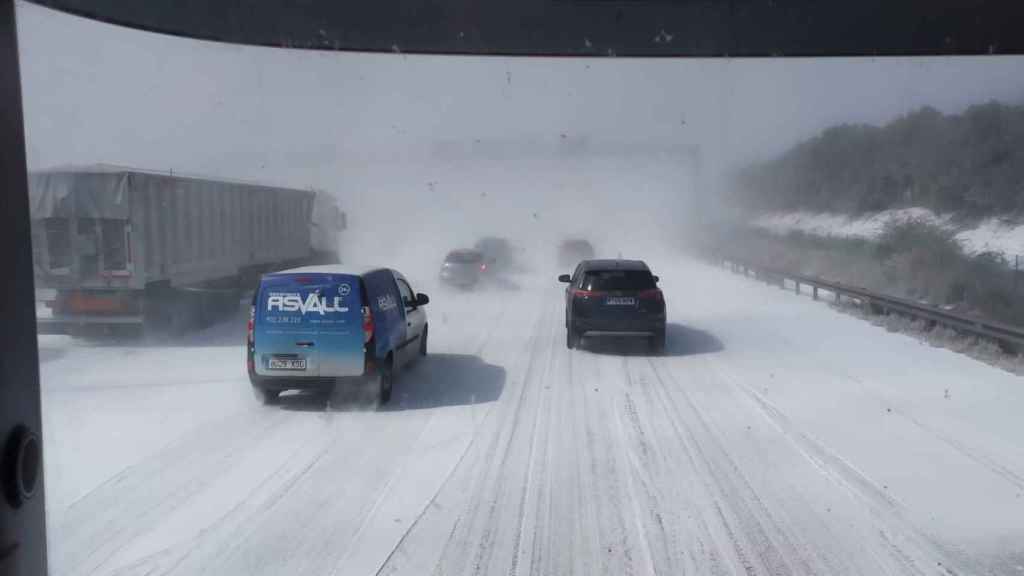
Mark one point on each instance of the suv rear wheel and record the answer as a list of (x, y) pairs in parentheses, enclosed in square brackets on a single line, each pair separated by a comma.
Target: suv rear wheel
[(658, 341), (572, 337)]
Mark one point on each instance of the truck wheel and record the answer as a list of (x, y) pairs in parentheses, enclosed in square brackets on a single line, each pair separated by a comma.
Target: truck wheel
[(266, 397), (658, 341), (156, 313), (183, 311), (178, 321)]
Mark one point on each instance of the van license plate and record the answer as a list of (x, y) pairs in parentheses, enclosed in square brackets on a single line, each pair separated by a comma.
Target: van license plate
[(287, 363), (621, 301)]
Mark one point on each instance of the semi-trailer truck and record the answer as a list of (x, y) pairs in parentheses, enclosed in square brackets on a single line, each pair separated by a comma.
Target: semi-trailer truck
[(121, 249)]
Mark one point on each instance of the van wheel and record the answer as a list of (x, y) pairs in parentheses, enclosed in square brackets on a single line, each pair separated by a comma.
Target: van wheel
[(386, 380), (423, 342), (266, 397)]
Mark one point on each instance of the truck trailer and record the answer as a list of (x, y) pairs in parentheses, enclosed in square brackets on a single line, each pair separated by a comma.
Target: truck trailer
[(120, 249)]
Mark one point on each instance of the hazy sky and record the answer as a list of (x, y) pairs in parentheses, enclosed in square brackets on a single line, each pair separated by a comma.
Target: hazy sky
[(347, 122)]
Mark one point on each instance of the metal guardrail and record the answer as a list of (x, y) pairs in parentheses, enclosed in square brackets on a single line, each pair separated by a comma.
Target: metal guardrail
[(1010, 338)]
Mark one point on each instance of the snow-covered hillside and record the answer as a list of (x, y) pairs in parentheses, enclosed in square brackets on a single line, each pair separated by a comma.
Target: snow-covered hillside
[(990, 235)]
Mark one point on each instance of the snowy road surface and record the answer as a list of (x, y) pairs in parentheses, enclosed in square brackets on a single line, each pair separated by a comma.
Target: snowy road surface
[(776, 436)]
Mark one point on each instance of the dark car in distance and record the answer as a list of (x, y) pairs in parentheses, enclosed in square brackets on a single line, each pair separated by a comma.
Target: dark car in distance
[(614, 298), (573, 250), (498, 253)]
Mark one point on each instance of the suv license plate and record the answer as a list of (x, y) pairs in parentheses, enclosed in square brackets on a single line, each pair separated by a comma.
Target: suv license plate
[(621, 301), (287, 364)]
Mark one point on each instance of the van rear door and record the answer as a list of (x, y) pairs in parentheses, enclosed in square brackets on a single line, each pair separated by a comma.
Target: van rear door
[(388, 314), (305, 320), (339, 327)]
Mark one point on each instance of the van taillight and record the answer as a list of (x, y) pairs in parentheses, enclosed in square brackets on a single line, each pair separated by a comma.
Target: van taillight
[(367, 324), (250, 327)]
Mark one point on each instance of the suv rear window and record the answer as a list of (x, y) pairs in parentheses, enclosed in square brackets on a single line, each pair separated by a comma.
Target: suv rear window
[(617, 280)]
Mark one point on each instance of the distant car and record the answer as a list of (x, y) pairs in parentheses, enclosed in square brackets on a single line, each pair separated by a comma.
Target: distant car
[(499, 254), (613, 298), (574, 250), (463, 268), (319, 327)]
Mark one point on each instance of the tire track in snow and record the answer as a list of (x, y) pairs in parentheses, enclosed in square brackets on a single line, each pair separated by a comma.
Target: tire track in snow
[(768, 541), (486, 544), (334, 503), (476, 487), (103, 521), (885, 508), (481, 340), (736, 546), (663, 476), (976, 456), (546, 520), (223, 535), (486, 335), (588, 549), (617, 526), (382, 494), (645, 467), (647, 565), (259, 535), (190, 447), (860, 484), (607, 503), (884, 505), (535, 467)]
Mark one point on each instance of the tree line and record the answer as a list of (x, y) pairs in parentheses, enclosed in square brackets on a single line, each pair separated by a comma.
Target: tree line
[(970, 164)]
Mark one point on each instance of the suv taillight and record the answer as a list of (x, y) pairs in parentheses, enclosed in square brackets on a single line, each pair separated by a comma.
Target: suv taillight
[(578, 293), (250, 326), (367, 324), (652, 294)]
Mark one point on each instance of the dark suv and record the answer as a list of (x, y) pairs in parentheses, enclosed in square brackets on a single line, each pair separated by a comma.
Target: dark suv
[(573, 250), (614, 298)]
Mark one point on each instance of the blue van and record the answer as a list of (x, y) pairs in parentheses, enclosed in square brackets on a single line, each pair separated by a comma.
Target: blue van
[(320, 326)]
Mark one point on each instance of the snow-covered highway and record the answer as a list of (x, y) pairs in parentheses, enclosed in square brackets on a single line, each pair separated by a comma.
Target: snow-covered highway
[(774, 436)]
